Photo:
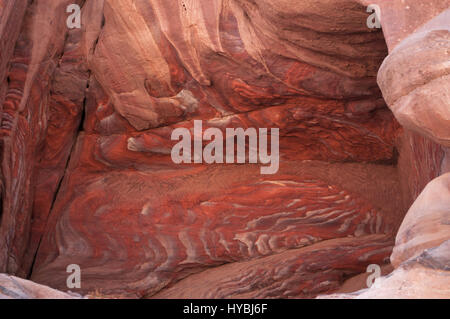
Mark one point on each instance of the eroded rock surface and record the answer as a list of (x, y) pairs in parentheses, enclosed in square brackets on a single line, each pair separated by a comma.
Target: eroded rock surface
[(427, 223), (424, 277), (17, 288), (417, 92), (87, 117)]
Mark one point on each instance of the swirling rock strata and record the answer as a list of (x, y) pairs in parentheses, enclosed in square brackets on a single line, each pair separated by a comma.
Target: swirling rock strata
[(296, 273), (88, 113), (29, 119), (230, 215), (123, 207)]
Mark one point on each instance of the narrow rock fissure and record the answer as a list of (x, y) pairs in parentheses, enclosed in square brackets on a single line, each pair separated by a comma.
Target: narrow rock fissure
[(58, 188)]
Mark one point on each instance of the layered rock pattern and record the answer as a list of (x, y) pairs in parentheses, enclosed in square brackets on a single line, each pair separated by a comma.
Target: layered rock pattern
[(87, 119), (296, 273), (29, 115), (230, 215)]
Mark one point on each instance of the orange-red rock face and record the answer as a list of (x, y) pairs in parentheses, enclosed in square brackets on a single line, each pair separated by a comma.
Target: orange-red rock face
[(152, 228), (38, 126), (87, 174)]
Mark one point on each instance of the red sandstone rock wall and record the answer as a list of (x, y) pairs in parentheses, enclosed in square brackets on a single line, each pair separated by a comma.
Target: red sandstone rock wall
[(87, 176)]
